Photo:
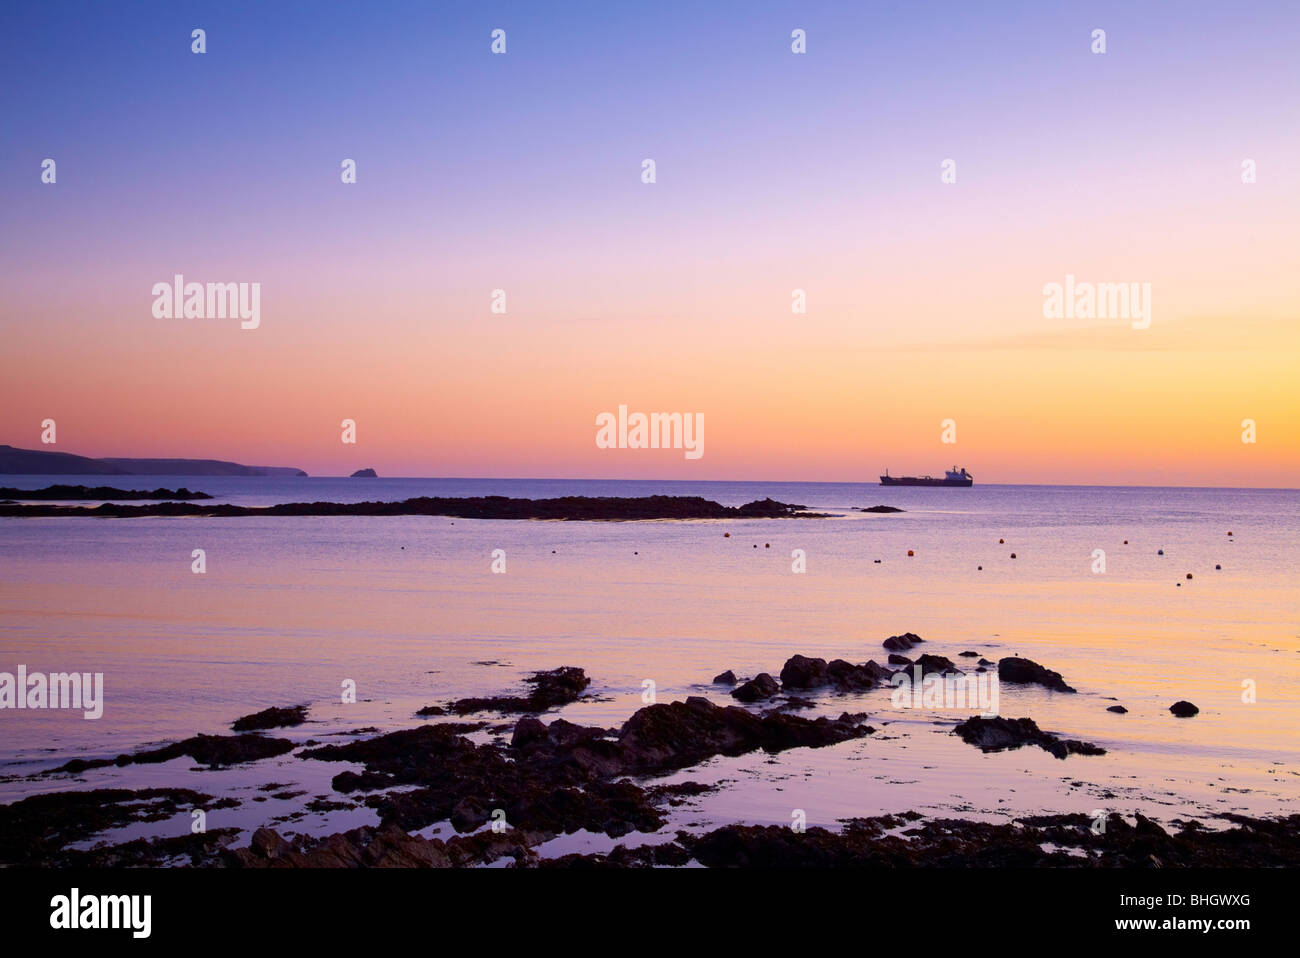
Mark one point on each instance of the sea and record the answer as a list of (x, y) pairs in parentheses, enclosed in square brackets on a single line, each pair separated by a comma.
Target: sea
[(1138, 596)]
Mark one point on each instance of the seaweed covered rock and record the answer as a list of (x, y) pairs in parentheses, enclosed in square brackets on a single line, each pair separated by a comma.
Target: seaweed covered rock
[(271, 718), (901, 643), (761, 686), (996, 734), (1029, 672), (551, 689)]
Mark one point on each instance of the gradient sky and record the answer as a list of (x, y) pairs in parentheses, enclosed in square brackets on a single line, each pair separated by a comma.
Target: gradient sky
[(775, 171)]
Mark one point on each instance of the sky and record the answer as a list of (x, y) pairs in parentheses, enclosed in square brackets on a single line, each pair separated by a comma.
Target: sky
[(774, 172)]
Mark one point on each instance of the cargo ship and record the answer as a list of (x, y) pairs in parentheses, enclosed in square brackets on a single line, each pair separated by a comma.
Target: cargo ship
[(953, 477)]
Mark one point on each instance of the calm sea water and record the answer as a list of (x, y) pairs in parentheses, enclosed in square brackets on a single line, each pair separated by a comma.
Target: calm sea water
[(405, 607)]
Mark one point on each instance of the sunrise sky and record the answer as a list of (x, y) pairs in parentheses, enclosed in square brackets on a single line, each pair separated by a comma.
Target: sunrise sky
[(775, 171)]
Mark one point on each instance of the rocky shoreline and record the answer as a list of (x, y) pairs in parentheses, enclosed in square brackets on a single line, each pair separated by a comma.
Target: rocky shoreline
[(507, 789)]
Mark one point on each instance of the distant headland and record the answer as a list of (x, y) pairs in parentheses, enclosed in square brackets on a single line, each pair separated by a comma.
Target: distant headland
[(39, 462)]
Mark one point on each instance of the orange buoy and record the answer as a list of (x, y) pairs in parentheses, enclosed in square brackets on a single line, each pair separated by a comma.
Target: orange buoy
[(1013, 555), (910, 552)]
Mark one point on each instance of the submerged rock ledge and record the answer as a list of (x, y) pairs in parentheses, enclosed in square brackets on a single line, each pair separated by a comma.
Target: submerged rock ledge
[(67, 492), (478, 507)]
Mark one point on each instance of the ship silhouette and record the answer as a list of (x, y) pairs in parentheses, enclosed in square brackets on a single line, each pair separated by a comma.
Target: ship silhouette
[(953, 477)]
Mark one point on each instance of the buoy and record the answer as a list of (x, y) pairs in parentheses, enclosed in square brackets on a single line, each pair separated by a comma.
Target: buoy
[(877, 561), (1013, 555), (1160, 552), (1217, 566), (1002, 542), (636, 553), (726, 535), (910, 552), (1189, 575), (1179, 584), (1125, 542), (1229, 532), (552, 552), (767, 545), (979, 568)]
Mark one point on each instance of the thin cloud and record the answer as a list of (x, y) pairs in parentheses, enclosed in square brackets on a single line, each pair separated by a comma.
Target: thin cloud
[(1198, 335)]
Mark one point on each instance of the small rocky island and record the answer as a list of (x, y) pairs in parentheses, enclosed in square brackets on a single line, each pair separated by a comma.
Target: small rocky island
[(364, 474)]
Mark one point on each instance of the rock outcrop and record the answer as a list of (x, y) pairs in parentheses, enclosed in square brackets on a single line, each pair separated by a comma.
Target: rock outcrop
[(1029, 672), (996, 734)]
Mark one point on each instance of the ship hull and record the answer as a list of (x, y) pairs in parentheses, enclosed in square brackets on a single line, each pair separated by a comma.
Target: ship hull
[(924, 481)]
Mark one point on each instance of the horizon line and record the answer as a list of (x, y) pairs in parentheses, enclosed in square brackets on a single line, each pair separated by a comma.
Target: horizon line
[(807, 482)]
